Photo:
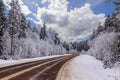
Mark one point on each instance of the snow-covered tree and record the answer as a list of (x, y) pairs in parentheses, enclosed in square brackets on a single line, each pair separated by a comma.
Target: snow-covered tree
[(6, 45), (22, 40), (17, 24), (66, 46), (23, 26), (43, 34), (105, 43), (3, 25), (104, 48), (53, 37), (13, 23), (99, 30)]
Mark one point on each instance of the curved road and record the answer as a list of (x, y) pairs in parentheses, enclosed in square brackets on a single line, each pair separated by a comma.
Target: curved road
[(46, 69)]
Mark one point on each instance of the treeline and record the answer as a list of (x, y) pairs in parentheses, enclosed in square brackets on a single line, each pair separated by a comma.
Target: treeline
[(105, 41), (19, 39)]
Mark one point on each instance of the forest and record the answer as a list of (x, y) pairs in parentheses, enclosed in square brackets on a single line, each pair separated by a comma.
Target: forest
[(20, 39)]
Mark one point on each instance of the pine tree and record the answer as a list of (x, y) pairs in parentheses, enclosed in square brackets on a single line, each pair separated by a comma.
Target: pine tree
[(97, 32), (14, 23), (23, 26), (66, 46), (52, 36), (43, 33), (2, 25), (56, 39)]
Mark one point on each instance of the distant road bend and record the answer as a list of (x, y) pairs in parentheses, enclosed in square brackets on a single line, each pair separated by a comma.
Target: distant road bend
[(46, 69)]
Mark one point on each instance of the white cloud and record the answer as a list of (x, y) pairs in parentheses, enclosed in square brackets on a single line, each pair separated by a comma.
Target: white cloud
[(44, 1), (24, 8), (82, 22), (71, 25)]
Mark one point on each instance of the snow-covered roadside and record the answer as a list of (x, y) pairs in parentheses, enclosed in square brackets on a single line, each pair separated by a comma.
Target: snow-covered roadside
[(85, 67), (4, 63)]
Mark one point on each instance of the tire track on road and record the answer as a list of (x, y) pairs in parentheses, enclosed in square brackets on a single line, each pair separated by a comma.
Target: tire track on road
[(47, 68), (28, 69), (49, 73), (16, 68)]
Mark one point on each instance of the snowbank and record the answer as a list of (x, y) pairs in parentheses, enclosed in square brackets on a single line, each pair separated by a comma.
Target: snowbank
[(4, 63), (85, 67)]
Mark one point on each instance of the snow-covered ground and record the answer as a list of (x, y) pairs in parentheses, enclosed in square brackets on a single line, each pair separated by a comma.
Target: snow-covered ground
[(85, 67), (4, 63)]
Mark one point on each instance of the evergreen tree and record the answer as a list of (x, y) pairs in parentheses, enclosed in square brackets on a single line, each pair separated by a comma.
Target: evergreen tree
[(43, 33), (2, 25), (66, 46), (23, 26), (109, 36), (97, 32), (56, 39), (14, 16)]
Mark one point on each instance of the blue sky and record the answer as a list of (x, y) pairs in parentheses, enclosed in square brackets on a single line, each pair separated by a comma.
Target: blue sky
[(72, 19), (96, 6), (100, 7), (104, 8)]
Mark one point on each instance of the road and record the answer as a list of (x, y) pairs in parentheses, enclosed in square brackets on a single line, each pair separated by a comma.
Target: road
[(46, 69)]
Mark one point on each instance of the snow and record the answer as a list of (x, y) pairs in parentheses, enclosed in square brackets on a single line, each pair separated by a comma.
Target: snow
[(85, 67), (106, 50), (4, 63)]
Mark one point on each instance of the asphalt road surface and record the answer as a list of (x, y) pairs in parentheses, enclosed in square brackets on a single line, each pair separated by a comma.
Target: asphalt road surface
[(46, 69)]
